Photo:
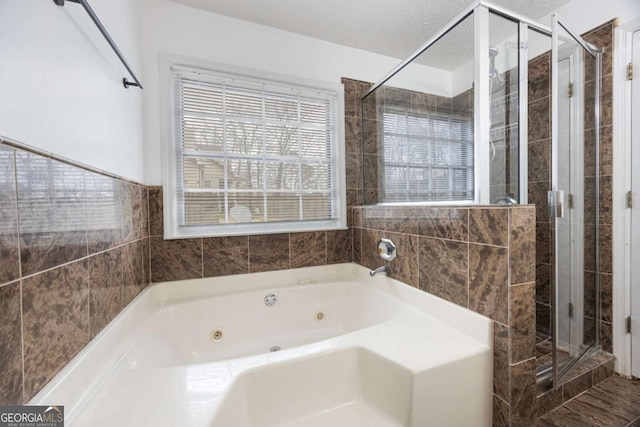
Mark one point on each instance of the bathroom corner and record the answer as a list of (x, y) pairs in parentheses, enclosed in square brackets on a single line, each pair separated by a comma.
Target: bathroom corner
[(75, 252)]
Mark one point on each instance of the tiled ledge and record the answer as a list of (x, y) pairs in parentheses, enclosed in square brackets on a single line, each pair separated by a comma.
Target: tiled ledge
[(481, 258), (587, 374)]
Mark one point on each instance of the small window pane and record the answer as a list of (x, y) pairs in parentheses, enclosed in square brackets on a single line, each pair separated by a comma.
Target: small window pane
[(282, 176), (281, 140)]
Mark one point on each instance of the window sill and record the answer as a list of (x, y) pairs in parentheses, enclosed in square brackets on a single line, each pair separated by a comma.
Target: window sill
[(249, 229)]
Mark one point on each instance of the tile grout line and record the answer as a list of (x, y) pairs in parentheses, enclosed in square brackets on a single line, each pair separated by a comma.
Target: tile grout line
[(633, 422), (570, 409), (418, 264), (88, 278), (469, 267), (24, 400), (19, 279), (436, 237), (13, 282), (86, 257), (85, 207), (17, 221), (147, 277), (248, 253), (509, 291), (326, 247)]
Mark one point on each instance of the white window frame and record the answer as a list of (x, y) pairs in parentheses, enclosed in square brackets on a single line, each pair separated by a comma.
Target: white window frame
[(172, 230)]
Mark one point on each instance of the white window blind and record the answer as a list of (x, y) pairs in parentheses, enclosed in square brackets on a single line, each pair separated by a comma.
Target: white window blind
[(427, 156), (255, 152)]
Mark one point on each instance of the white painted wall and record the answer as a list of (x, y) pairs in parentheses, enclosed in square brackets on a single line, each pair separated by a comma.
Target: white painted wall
[(173, 28), (60, 84), (583, 15)]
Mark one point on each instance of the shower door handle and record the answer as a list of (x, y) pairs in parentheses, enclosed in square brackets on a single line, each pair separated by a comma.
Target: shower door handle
[(555, 202)]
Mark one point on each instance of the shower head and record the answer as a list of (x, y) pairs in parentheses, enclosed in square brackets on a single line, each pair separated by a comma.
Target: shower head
[(493, 73)]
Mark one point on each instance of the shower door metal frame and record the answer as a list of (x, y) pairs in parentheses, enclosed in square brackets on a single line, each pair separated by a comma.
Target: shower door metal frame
[(481, 10), (576, 175), (523, 111), (597, 55), (481, 106)]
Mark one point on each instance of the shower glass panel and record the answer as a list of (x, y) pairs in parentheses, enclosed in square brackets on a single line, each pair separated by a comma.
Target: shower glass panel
[(574, 172), (504, 148), (417, 128), (498, 109)]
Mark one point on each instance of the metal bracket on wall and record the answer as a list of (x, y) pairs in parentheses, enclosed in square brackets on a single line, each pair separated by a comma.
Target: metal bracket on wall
[(125, 82)]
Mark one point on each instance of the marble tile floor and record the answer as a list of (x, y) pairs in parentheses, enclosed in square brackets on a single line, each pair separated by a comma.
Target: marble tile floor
[(615, 402)]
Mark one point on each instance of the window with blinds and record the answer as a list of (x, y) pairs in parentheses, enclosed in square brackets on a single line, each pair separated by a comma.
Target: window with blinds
[(253, 155), (427, 156)]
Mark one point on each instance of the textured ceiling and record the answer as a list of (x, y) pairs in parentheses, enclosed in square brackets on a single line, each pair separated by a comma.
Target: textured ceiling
[(394, 28)]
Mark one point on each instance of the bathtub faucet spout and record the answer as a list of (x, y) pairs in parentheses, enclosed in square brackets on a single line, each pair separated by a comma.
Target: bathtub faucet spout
[(384, 269)]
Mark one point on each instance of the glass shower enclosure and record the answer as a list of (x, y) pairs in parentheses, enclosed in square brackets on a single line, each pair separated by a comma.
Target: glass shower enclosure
[(499, 109)]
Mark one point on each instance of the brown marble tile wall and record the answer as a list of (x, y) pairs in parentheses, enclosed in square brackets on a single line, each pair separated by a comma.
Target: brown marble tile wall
[(481, 258), (353, 90), (539, 181), (602, 36), (219, 256), (11, 350), (74, 252)]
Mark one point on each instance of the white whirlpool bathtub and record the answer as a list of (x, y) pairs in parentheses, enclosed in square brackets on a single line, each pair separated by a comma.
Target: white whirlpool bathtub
[(308, 347)]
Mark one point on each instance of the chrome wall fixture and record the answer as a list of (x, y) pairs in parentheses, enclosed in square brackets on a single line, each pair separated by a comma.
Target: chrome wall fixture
[(125, 82)]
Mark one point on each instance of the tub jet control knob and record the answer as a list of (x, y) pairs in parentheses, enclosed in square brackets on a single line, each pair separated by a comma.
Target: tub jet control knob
[(387, 250), (270, 299)]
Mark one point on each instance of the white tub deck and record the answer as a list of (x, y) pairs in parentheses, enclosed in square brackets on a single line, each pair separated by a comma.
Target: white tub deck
[(383, 354)]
